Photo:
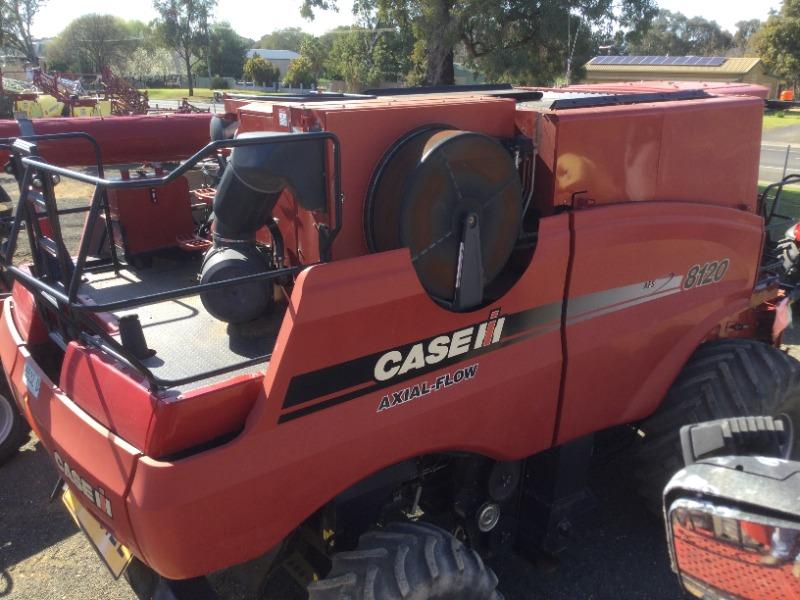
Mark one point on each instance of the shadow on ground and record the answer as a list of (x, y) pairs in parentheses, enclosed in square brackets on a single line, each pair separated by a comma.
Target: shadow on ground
[(30, 523), (619, 551)]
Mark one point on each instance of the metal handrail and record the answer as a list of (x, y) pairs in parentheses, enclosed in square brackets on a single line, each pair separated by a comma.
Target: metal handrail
[(26, 278), (10, 144), (7, 143), (68, 299), (205, 151), (787, 180)]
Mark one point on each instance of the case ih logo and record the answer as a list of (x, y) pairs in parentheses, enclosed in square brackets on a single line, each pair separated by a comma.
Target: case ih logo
[(95, 496), (424, 354)]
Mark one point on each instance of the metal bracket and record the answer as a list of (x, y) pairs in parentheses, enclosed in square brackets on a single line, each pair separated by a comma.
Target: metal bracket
[(469, 277)]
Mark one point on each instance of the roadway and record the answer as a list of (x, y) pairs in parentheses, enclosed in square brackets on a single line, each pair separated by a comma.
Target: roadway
[(773, 158)]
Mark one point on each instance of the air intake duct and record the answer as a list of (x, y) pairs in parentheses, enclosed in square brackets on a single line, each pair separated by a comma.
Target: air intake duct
[(250, 186)]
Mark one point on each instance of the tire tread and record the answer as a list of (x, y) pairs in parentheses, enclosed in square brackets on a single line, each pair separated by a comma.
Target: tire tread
[(407, 561), (724, 378)]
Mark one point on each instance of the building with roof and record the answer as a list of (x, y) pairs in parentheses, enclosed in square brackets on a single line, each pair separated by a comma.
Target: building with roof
[(278, 58), (604, 69)]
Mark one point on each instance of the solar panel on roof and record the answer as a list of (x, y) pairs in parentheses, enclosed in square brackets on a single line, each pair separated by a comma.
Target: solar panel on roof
[(661, 61)]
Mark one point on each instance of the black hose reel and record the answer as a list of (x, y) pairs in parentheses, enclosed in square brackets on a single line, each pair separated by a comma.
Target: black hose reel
[(253, 180), (454, 199)]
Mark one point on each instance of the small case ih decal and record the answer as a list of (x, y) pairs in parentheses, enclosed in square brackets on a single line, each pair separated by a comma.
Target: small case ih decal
[(95, 495)]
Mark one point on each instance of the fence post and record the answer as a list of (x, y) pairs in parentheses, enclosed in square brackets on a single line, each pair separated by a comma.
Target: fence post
[(786, 160)]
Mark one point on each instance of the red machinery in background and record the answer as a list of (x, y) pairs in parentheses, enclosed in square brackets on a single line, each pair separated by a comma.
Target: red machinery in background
[(123, 140), (126, 99)]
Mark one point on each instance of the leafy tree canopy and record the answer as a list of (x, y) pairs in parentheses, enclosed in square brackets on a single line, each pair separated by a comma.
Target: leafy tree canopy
[(184, 28), (92, 42), (226, 52), (675, 34), (290, 38), (778, 42), (517, 39), (300, 74), (16, 19), (260, 71)]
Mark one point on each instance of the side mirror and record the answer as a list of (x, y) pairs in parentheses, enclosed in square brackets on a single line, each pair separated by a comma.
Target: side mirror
[(733, 527)]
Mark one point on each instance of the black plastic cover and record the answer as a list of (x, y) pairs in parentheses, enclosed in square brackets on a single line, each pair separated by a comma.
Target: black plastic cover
[(255, 177), (765, 436)]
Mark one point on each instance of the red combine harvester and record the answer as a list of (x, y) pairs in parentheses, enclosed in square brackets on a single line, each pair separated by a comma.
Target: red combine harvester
[(381, 358)]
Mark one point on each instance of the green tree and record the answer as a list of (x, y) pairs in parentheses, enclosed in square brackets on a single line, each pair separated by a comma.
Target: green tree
[(366, 55), (226, 52), (260, 71), (314, 51), (677, 35), (290, 38), (16, 19), (778, 42), (745, 30), (150, 66), (92, 42), (184, 28), (514, 40), (300, 73)]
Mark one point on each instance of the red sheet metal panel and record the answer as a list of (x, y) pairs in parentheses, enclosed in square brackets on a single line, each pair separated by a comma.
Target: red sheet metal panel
[(695, 151), (634, 312), (150, 219), (94, 462)]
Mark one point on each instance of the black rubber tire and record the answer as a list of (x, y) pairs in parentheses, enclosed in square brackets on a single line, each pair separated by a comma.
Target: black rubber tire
[(407, 561), (14, 437), (726, 378)]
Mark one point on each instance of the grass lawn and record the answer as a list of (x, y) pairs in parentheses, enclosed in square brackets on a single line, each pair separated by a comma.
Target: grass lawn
[(200, 94), (780, 118)]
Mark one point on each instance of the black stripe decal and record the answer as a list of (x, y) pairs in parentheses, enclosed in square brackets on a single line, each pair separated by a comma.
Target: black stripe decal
[(518, 327), (307, 410), (335, 378)]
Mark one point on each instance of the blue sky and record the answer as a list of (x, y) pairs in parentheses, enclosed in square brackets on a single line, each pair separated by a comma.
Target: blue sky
[(254, 18)]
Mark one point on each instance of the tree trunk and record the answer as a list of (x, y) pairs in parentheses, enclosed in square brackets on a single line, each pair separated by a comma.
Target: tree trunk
[(439, 68), (188, 62)]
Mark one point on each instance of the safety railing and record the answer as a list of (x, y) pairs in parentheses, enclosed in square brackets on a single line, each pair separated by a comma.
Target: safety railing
[(63, 296), (771, 211)]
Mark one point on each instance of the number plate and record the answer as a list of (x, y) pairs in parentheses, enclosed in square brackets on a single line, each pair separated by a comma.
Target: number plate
[(31, 380), (115, 556)]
